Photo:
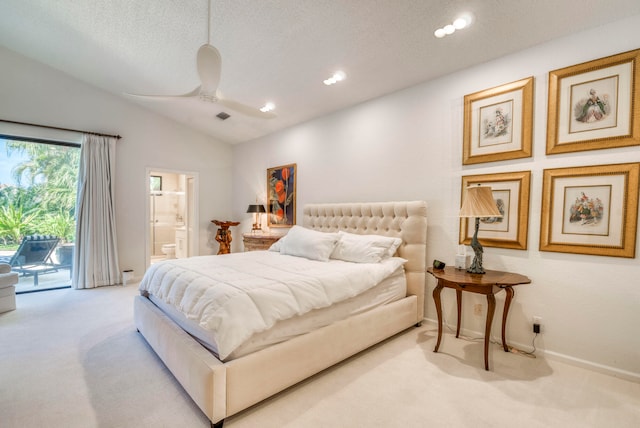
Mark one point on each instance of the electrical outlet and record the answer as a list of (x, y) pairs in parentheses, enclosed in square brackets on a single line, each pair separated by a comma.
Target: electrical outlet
[(537, 322), (477, 309)]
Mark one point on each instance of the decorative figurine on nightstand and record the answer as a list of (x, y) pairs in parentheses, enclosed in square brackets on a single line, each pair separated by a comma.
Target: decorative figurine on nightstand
[(223, 236)]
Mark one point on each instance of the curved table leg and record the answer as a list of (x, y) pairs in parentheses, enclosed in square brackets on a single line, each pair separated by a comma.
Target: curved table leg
[(491, 301), (459, 301), (436, 299), (507, 303)]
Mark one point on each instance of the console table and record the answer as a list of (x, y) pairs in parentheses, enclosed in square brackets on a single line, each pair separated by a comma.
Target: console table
[(488, 284)]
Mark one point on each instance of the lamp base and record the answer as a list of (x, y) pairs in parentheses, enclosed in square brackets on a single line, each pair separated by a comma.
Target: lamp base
[(476, 266)]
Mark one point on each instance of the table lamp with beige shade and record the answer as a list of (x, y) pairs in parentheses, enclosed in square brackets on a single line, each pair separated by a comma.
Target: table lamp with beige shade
[(478, 202)]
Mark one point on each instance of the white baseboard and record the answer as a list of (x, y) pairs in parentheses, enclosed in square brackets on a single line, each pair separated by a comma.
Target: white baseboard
[(555, 356), (590, 365)]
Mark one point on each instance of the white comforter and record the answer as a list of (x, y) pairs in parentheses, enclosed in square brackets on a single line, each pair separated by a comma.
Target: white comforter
[(237, 295)]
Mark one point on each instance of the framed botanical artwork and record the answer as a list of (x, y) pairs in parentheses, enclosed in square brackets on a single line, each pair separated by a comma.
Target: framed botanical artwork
[(281, 196), (511, 193), (590, 210), (498, 123), (593, 105)]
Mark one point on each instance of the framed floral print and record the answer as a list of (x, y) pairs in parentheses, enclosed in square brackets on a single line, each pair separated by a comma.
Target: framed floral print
[(593, 105), (498, 123), (281, 196), (590, 210), (511, 193)]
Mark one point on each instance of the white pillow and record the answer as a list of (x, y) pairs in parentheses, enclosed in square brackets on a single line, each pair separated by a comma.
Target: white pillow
[(394, 246), (308, 243), (364, 248), (277, 245)]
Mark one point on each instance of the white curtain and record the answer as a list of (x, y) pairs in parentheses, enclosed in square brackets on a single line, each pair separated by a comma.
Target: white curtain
[(96, 257)]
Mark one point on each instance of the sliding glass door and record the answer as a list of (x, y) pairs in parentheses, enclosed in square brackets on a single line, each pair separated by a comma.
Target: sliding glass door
[(38, 183)]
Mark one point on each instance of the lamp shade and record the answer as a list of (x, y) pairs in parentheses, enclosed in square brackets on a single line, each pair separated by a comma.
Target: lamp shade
[(479, 202), (256, 209)]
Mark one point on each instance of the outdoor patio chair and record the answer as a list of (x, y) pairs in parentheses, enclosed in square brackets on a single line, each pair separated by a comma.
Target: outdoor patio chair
[(33, 256)]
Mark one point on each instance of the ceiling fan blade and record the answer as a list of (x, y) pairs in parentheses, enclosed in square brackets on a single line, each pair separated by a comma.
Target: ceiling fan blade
[(209, 64), (245, 109), (193, 93)]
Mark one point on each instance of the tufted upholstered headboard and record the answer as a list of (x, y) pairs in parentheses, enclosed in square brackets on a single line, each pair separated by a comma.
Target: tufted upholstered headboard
[(406, 220)]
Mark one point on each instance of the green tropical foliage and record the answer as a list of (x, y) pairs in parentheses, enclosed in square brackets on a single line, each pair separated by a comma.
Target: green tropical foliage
[(60, 224), (52, 170), (43, 202), (15, 221)]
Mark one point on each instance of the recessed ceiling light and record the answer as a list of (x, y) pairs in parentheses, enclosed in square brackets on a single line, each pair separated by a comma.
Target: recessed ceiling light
[(338, 76), (268, 107), (460, 23)]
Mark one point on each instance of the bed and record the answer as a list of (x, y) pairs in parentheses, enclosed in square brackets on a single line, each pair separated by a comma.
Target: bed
[(222, 387)]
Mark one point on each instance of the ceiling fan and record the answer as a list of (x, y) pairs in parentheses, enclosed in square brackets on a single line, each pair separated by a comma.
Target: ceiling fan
[(209, 65)]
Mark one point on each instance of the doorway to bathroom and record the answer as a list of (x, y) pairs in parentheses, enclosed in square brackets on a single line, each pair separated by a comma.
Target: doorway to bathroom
[(172, 213)]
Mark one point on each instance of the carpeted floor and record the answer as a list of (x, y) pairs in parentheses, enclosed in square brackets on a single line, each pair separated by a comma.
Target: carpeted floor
[(72, 358)]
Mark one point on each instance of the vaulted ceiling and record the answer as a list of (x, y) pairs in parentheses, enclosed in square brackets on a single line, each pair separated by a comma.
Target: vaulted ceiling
[(280, 50)]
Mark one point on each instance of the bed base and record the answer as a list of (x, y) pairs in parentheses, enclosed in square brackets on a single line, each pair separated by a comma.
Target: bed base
[(223, 389)]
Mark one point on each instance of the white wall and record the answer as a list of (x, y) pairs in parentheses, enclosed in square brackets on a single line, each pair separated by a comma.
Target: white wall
[(34, 93), (408, 145)]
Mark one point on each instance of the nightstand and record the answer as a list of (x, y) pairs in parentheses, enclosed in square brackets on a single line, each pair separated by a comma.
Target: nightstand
[(488, 284), (258, 241)]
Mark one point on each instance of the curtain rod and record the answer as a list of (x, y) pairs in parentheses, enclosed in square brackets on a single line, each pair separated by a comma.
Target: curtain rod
[(60, 129)]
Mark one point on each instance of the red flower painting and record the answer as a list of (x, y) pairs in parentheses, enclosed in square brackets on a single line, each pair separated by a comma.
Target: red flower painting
[(281, 191)]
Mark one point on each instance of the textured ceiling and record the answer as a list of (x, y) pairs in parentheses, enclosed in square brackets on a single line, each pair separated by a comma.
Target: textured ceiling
[(280, 50)]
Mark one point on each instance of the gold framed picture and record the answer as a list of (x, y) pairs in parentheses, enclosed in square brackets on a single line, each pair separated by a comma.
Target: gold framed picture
[(511, 193), (281, 194), (593, 105), (498, 123), (590, 210)]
